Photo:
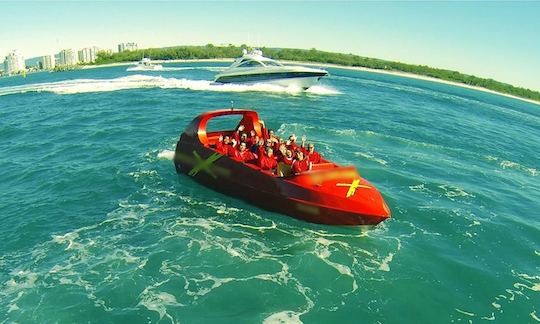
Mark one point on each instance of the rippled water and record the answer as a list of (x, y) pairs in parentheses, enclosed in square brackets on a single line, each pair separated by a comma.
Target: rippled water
[(97, 226)]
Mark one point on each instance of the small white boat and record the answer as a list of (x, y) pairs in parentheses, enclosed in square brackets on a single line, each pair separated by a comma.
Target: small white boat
[(255, 68), (145, 65)]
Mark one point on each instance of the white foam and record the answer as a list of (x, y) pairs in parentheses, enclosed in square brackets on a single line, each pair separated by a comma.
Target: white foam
[(464, 312), (385, 263), (371, 157), (147, 81), (506, 164), (166, 155), (322, 90), (285, 317), (158, 301), (533, 315)]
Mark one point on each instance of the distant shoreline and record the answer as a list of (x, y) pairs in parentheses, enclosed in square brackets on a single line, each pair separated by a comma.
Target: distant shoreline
[(337, 66)]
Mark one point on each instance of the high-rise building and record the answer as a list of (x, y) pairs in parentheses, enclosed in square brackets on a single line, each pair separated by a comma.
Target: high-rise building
[(14, 63), (127, 47), (48, 62), (87, 55), (67, 57)]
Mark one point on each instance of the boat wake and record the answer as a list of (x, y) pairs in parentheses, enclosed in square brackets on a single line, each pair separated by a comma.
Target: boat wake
[(146, 81)]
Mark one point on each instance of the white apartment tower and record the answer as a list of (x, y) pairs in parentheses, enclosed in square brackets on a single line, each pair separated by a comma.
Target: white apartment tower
[(14, 63), (87, 55), (67, 57), (127, 47), (48, 62)]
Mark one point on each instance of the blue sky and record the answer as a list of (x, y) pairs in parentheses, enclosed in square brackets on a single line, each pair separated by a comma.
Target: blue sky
[(497, 40)]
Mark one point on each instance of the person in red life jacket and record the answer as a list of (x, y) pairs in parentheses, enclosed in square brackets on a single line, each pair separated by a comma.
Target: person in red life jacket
[(291, 143), (232, 148), (223, 146), (267, 161), (243, 138), (242, 154), (287, 157), (252, 139), (280, 151), (312, 155), (300, 164), (277, 142), (272, 137), (263, 145), (236, 134), (256, 148)]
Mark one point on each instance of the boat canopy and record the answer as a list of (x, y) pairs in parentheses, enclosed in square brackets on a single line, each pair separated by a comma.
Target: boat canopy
[(197, 128)]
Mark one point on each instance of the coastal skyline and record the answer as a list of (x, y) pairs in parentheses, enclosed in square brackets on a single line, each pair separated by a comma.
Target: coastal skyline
[(487, 39)]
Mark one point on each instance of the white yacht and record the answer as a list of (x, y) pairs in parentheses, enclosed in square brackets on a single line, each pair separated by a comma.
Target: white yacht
[(255, 68), (145, 65)]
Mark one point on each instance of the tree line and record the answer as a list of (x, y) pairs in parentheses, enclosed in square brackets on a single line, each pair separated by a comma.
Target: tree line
[(211, 52)]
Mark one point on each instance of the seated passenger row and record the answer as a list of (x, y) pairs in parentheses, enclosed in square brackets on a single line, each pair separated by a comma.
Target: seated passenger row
[(289, 157)]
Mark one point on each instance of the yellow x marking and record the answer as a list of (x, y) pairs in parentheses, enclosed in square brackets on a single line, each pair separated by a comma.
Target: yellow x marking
[(352, 187), (204, 165)]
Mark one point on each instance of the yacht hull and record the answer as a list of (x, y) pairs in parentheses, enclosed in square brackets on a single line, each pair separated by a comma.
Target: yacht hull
[(300, 80)]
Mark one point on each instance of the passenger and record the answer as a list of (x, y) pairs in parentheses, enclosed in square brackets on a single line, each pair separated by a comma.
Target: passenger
[(223, 146), (280, 152), (243, 138), (272, 137), (291, 143), (256, 148), (287, 157), (263, 145), (267, 161), (300, 164), (236, 134), (252, 139), (242, 154), (312, 155), (233, 148)]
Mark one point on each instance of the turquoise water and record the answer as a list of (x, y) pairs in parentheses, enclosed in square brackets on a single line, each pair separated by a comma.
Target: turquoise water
[(96, 226)]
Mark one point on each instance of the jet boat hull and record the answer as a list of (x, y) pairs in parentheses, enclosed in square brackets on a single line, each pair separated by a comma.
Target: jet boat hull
[(322, 196)]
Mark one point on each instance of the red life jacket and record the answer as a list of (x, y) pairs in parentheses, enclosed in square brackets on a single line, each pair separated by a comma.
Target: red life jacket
[(267, 163), (244, 156), (300, 166), (286, 160), (314, 157)]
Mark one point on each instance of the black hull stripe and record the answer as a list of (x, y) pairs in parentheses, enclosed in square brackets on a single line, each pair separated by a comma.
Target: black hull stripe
[(269, 76)]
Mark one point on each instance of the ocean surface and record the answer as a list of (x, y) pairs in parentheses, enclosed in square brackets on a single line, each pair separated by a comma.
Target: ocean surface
[(96, 226)]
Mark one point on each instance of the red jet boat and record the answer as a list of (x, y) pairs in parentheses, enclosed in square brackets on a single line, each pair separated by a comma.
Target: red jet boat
[(327, 194)]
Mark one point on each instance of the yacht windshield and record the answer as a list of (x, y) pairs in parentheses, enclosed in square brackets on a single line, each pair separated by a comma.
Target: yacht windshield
[(272, 63), (250, 64)]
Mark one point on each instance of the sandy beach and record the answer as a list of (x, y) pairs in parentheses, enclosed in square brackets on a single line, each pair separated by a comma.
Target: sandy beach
[(337, 66)]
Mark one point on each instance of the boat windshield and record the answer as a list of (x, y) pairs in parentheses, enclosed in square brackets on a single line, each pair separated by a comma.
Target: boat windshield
[(250, 63), (272, 63)]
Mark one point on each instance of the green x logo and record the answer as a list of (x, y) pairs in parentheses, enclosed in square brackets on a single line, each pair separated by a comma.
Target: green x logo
[(204, 165)]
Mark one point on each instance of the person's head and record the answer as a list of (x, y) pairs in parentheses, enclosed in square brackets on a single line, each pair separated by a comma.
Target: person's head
[(243, 137), (242, 147), (252, 133), (226, 139), (271, 133), (268, 142), (299, 155), (292, 138), (269, 152), (261, 142), (311, 147), (288, 153)]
